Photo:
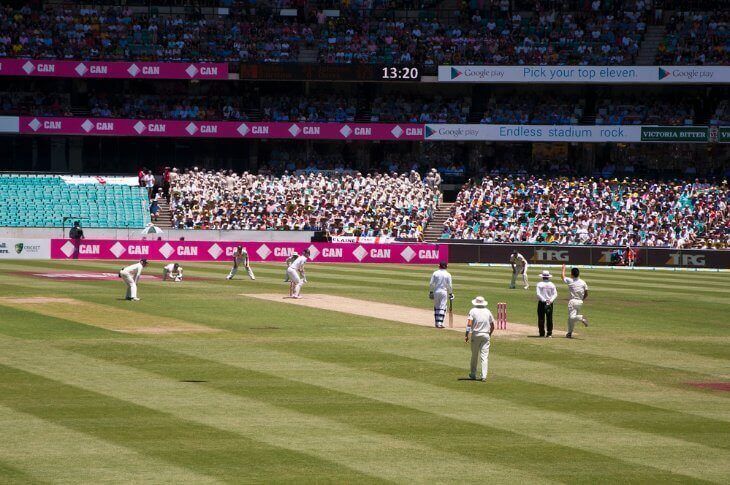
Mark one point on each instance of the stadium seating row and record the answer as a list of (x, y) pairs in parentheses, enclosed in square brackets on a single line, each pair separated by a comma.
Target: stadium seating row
[(48, 201)]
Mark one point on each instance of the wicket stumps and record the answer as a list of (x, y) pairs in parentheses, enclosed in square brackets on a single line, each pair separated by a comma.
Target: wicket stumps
[(501, 316)]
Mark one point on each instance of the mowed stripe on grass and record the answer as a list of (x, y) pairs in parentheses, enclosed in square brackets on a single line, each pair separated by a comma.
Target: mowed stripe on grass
[(373, 454), (613, 406), (54, 453), (668, 454), (103, 316)]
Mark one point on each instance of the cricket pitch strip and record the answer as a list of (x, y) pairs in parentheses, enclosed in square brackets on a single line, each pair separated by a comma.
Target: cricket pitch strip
[(382, 311)]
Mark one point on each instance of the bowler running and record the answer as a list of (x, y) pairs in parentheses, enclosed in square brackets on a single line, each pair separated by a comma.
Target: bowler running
[(578, 290)]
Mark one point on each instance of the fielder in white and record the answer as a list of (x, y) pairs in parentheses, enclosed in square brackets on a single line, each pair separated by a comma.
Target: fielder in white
[(130, 275), (296, 274), (240, 257), (578, 290), (172, 271), (481, 325), (519, 266), (440, 290)]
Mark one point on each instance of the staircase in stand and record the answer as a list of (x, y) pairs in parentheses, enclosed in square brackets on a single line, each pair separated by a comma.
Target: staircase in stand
[(436, 226), (650, 45), (164, 217)]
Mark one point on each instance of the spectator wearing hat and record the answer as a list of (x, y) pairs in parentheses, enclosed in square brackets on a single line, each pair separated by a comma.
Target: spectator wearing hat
[(480, 325), (546, 295)]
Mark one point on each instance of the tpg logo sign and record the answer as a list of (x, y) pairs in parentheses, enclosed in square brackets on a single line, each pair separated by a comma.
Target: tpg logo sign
[(547, 255), (693, 260)]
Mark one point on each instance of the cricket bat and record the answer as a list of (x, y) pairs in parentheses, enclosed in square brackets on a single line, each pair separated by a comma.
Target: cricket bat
[(451, 314)]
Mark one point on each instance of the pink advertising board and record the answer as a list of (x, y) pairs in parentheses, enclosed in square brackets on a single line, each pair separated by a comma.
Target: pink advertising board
[(258, 251), (218, 129), (113, 69)]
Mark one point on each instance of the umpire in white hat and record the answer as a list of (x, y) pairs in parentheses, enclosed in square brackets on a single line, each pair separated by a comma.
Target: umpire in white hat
[(546, 295), (480, 325)]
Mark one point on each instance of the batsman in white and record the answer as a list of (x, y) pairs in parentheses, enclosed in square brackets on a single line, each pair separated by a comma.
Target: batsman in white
[(172, 271), (288, 263), (240, 257), (481, 326), (130, 275), (296, 274), (440, 290), (578, 290), (519, 266)]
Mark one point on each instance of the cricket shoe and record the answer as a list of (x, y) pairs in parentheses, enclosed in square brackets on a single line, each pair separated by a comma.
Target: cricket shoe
[(526, 287), (548, 336), (568, 335), (134, 299), (472, 377), (585, 321), (483, 379)]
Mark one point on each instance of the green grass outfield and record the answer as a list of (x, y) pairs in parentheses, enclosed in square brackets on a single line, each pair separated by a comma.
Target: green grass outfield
[(291, 394)]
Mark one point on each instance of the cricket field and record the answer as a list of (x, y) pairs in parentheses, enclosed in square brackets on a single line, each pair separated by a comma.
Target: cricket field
[(201, 382)]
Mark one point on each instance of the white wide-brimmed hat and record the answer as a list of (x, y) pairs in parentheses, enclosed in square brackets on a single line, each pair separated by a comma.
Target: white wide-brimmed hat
[(479, 301), (546, 274)]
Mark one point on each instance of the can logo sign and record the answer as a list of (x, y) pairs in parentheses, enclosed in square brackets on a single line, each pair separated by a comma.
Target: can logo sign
[(19, 248)]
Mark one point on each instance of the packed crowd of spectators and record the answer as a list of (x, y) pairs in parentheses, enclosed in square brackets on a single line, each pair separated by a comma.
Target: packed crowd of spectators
[(647, 111), (350, 204), (120, 33), (694, 38), (364, 32), (533, 110), (721, 115), (317, 108), (398, 108), (35, 104), (225, 108), (551, 37), (593, 211)]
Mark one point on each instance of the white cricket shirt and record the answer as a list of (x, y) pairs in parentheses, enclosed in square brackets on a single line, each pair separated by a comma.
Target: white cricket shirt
[(546, 291), (576, 287), (481, 320), (298, 263), (134, 269), (441, 281)]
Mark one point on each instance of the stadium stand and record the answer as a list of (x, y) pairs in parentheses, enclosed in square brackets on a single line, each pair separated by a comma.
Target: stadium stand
[(351, 204), (586, 210), (696, 38), (478, 33), (49, 201)]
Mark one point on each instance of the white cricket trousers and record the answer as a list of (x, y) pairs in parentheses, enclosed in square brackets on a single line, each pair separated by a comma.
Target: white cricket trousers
[(131, 284), (514, 277), (295, 279), (479, 353), (440, 303), (234, 270), (574, 307)]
